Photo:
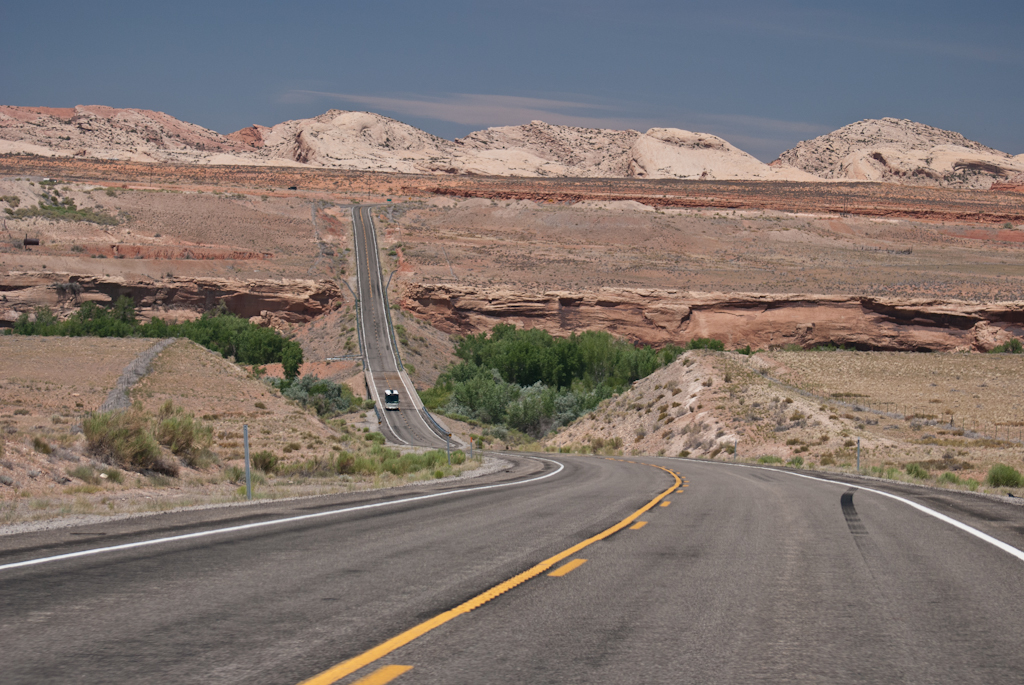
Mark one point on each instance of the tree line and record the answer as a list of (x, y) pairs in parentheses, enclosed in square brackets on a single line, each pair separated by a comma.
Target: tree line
[(217, 329), (532, 382)]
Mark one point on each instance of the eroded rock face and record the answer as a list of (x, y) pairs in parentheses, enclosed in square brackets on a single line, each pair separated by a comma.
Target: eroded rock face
[(902, 151), (660, 317), (366, 141), (172, 299)]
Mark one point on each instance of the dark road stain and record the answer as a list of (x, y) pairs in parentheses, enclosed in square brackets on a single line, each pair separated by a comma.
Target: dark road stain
[(850, 513)]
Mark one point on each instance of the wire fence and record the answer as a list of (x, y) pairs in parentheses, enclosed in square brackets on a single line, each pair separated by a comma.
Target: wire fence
[(132, 374)]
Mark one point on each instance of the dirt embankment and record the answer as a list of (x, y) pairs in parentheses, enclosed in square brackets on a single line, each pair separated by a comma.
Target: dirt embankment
[(660, 317), (867, 199)]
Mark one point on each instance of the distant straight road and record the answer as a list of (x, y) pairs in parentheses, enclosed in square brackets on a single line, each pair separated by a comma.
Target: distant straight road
[(407, 426), (739, 575)]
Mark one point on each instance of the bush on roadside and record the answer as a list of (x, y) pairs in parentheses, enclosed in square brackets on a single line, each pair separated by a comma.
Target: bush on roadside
[(1004, 476), (265, 461), (915, 470), (181, 431), (123, 438), (796, 462), (769, 459)]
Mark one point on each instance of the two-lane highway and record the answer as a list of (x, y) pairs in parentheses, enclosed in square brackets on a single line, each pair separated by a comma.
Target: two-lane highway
[(736, 575), (407, 426)]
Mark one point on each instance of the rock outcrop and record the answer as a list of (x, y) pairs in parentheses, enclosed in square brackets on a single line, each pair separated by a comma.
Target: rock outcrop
[(1014, 184), (660, 317), (172, 299), (364, 141), (902, 151)]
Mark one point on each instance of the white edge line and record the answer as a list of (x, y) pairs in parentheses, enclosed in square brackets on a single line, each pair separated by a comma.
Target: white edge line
[(274, 522), (1009, 549)]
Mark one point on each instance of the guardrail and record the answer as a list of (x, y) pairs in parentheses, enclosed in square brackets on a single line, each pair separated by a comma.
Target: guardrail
[(435, 425)]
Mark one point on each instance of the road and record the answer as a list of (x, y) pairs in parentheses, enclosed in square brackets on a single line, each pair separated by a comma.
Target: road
[(407, 426), (739, 574)]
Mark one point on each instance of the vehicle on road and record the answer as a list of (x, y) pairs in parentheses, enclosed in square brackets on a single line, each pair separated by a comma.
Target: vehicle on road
[(391, 400)]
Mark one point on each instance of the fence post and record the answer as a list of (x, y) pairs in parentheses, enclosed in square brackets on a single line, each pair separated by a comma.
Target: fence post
[(448, 447), (858, 455), (248, 477)]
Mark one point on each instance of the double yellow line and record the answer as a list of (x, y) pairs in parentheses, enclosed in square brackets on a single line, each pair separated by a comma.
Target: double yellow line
[(346, 668)]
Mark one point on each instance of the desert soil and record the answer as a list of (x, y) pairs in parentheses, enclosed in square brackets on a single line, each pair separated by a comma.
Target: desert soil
[(47, 385), (707, 404)]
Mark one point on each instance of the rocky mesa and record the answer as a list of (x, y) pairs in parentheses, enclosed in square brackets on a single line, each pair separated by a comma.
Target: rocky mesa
[(660, 317), (902, 151), (364, 141)]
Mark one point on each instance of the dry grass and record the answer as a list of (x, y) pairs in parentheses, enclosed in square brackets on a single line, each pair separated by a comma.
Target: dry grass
[(768, 422), (69, 481)]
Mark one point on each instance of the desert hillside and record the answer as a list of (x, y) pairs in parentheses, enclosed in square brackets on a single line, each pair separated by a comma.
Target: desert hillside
[(364, 141), (902, 151)]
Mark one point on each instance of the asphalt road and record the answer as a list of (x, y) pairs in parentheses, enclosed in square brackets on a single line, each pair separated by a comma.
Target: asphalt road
[(407, 426), (746, 575)]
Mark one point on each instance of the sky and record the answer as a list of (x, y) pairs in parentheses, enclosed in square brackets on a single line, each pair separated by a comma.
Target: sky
[(763, 74)]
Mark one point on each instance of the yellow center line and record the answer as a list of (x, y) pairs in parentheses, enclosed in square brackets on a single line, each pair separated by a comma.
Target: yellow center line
[(384, 674), (566, 567), (346, 668), (665, 503), (638, 525)]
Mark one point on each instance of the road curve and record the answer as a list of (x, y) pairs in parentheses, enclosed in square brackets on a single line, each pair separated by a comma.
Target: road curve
[(407, 426), (743, 575)]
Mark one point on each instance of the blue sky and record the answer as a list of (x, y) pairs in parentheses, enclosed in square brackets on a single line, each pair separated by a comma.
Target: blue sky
[(762, 74)]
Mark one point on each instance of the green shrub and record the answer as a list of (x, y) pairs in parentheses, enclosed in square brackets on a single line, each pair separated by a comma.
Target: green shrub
[(1012, 346), (309, 468), (124, 439), (234, 474), (769, 459), (265, 461), (181, 431), (706, 344), (684, 453), (41, 446), (114, 475), (344, 463), (63, 209), (971, 484), (325, 397), (916, 470), (86, 474), (1004, 476), (949, 477), (796, 462)]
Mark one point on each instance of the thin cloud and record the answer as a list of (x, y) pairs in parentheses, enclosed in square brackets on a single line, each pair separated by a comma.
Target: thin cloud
[(485, 110), (761, 136)]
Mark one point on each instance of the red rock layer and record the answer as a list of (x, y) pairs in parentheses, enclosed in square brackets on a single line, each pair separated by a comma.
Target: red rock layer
[(661, 317)]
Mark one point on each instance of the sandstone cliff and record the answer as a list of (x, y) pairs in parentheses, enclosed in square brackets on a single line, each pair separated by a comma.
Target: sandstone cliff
[(172, 299), (902, 151), (660, 317)]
